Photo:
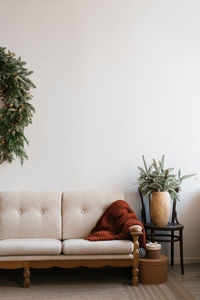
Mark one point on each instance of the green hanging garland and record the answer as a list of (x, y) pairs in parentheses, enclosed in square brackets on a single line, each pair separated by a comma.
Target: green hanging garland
[(16, 112)]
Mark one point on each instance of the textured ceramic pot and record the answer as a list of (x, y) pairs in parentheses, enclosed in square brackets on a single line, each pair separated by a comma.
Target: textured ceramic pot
[(160, 208)]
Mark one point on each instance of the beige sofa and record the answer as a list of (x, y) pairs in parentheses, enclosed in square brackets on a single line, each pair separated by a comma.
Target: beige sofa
[(43, 229)]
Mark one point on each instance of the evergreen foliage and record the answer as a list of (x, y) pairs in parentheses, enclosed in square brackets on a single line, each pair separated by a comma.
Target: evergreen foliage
[(16, 112), (156, 178)]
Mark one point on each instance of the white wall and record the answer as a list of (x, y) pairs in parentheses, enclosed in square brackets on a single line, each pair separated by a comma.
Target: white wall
[(115, 79)]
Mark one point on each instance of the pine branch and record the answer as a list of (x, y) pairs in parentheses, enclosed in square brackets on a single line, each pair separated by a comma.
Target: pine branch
[(17, 112)]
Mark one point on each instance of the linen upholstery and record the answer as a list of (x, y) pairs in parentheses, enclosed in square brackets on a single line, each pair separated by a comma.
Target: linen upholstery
[(64, 257), (30, 246), (30, 214), (82, 247), (82, 209)]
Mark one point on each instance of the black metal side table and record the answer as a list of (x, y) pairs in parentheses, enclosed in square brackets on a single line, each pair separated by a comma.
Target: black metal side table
[(161, 234)]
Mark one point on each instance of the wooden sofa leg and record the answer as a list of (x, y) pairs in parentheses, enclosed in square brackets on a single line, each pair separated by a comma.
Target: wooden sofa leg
[(26, 276), (135, 280), (135, 235)]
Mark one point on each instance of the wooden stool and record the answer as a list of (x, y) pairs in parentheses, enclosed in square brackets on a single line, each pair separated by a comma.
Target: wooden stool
[(153, 271)]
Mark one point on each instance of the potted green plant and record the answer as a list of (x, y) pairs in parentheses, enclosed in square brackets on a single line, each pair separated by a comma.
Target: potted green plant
[(161, 184)]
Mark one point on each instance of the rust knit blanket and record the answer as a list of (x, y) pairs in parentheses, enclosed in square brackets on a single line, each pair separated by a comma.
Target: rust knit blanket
[(115, 223)]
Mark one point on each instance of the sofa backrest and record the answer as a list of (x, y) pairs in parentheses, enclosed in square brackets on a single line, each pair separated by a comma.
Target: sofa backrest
[(30, 214), (82, 209)]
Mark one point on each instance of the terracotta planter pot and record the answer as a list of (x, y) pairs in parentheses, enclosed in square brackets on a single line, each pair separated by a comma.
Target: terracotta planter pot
[(160, 208)]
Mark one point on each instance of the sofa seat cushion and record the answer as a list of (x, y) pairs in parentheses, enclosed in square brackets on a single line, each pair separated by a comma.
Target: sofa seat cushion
[(40, 246), (84, 247)]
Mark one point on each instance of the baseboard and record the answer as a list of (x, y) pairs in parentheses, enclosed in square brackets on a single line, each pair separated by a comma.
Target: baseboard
[(187, 260)]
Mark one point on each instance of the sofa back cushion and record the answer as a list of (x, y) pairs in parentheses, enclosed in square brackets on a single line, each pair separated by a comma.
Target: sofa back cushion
[(30, 214), (81, 210)]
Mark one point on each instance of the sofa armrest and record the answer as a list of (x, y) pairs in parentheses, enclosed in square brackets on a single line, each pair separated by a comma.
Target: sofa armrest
[(136, 228), (136, 232)]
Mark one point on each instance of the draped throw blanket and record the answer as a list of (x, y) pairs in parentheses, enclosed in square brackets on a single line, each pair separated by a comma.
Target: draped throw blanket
[(115, 223)]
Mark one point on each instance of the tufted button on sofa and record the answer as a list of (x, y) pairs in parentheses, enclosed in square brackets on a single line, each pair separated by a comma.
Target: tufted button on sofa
[(42, 229)]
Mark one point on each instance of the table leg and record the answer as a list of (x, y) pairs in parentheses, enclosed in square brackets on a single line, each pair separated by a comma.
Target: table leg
[(181, 251), (152, 236), (172, 248)]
